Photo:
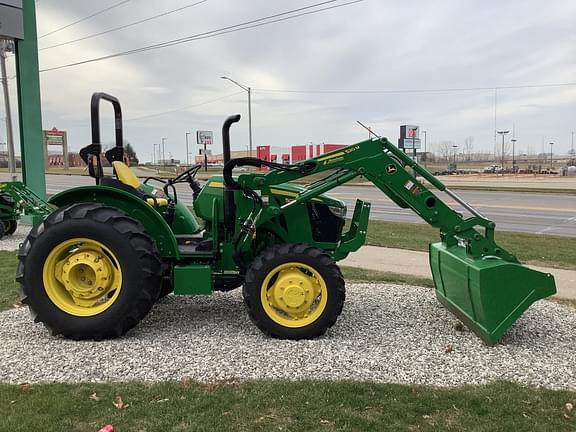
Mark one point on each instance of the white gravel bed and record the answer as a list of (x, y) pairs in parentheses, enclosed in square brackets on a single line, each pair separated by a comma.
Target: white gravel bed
[(12, 242), (387, 333)]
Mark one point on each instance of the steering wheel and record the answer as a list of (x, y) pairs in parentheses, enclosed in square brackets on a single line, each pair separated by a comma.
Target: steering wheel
[(187, 175)]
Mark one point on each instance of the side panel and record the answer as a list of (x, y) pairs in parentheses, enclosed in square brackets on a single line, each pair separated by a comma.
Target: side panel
[(192, 279), (136, 208)]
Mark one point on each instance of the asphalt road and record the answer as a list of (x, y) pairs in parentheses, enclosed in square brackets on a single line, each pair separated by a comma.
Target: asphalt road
[(541, 213)]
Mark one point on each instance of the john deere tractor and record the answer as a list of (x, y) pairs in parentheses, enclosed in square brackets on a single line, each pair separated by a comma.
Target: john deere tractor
[(97, 264), (8, 213)]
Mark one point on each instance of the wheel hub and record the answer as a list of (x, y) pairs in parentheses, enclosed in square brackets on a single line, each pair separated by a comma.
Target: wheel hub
[(294, 291), (85, 275), (82, 277), (294, 294)]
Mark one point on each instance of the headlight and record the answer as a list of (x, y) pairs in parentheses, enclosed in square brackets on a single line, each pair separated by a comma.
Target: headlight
[(338, 211)]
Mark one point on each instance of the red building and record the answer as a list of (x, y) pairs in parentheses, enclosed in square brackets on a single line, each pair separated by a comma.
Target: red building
[(331, 147), (263, 152), (298, 153)]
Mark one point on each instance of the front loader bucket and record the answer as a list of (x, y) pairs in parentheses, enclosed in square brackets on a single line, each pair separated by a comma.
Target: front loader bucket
[(488, 294)]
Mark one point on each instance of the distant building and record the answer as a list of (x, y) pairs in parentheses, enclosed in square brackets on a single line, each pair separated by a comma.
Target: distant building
[(170, 161), (57, 160), (276, 154)]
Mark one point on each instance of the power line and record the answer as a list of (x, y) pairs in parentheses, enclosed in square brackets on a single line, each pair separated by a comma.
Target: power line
[(213, 33), (439, 90), (122, 27), (186, 107), (115, 5)]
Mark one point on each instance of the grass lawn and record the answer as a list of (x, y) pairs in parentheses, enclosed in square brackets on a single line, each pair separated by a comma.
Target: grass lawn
[(357, 274), (284, 406), (551, 251), (8, 287)]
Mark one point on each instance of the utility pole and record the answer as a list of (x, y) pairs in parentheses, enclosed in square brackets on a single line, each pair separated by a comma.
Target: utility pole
[(503, 133), (7, 46), (551, 144), (572, 147), (513, 153), (187, 152), (163, 153)]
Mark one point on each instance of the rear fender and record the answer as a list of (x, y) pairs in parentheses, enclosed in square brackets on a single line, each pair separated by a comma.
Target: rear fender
[(133, 206)]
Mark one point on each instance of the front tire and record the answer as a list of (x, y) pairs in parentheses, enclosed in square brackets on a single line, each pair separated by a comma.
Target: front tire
[(294, 291), (89, 272), (10, 227)]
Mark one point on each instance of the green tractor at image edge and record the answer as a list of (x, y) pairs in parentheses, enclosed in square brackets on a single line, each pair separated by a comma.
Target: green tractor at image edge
[(9, 213), (95, 266)]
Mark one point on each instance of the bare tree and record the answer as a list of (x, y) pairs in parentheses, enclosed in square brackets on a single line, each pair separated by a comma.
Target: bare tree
[(468, 147), (445, 149)]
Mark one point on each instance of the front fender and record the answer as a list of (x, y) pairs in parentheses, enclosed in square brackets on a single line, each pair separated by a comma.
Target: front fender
[(355, 238), (133, 206)]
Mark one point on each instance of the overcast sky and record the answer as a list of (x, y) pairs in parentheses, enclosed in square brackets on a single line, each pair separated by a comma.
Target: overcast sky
[(373, 45)]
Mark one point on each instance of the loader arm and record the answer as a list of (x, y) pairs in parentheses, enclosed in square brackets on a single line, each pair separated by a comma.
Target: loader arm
[(385, 166), (26, 200)]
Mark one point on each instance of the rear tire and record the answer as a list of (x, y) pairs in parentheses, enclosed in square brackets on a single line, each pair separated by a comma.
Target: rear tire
[(294, 291), (71, 248)]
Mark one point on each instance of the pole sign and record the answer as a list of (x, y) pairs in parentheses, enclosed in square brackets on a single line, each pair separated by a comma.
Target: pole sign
[(204, 137), (11, 21), (54, 137), (409, 137)]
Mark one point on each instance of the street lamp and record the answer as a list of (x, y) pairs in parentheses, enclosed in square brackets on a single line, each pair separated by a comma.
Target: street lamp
[(551, 144), (187, 152), (249, 90), (513, 154), (455, 147), (503, 133)]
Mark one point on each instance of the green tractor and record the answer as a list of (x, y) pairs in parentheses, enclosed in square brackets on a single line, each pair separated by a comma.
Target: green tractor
[(95, 266), (16, 199), (9, 213)]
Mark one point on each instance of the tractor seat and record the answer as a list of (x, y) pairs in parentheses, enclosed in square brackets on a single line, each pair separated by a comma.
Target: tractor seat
[(128, 182)]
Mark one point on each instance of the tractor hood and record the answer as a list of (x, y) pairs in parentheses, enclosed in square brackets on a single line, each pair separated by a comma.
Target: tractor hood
[(287, 190)]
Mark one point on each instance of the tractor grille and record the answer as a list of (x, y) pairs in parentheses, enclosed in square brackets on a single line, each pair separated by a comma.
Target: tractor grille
[(326, 226)]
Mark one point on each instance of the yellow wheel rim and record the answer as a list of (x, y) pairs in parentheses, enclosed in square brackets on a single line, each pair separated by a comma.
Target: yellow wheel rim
[(82, 277), (294, 295)]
